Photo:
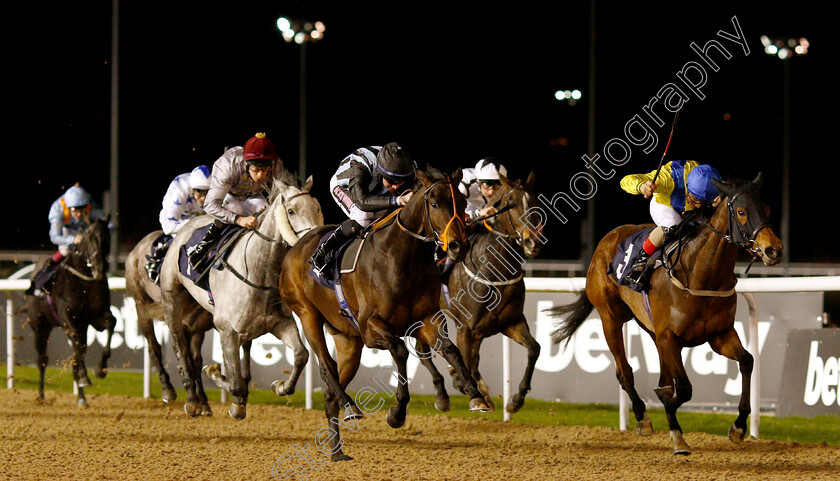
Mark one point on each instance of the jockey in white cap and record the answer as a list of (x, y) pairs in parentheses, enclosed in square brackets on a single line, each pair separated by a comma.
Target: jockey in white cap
[(481, 186)]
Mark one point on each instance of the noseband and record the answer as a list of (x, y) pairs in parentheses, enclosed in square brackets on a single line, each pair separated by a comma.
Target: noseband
[(740, 234), (441, 240)]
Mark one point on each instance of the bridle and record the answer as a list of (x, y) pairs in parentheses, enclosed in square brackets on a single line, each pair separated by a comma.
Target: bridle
[(296, 232), (442, 240), (518, 235), (742, 235), (81, 251)]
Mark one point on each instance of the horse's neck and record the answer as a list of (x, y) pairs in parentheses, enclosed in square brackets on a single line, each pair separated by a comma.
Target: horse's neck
[(412, 217), (502, 256), (710, 259), (269, 227)]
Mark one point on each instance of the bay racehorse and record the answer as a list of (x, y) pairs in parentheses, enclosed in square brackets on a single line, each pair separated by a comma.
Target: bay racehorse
[(246, 303), (488, 290), (79, 298), (692, 301), (394, 291)]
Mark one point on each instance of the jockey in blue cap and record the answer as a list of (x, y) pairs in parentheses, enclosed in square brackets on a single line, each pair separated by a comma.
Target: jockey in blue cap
[(682, 185), (184, 200), (368, 183), (68, 216)]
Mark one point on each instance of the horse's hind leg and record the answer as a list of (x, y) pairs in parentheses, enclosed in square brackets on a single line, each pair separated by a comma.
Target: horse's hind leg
[(614, 335), (147, 327), (42, 337), (348, 353), (520, 333), (102, 369), (196, 340), (674, 387), (424, 352), (286, 330), (730, 346)]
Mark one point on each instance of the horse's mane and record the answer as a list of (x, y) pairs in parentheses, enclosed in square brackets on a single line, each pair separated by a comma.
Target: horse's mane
[(285, 178)]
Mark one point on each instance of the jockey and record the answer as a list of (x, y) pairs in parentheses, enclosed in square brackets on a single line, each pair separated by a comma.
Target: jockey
[(67, 222), (368, 183), (184, 200), (682, 185), (239, 184), (482, 186)]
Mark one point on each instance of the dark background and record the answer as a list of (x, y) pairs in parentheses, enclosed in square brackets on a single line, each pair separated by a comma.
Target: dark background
[(452, 83)]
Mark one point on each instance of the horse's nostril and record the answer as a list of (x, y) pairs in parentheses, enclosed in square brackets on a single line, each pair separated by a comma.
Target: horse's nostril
[(771, 252)]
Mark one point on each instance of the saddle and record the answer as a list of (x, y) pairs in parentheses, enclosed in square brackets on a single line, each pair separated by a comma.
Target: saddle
[(218, 252)]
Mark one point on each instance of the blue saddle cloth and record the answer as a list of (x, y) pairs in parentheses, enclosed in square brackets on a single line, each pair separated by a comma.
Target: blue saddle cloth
[(331, 275), (183, 259), (628, 252)]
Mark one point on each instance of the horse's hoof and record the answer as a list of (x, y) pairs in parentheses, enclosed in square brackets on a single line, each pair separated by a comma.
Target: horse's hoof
[(82, 404), (101, 373), (353, 412), (213, 371), (237, 411), (393, 418), (442, 404), (340, 456), (192, 409), (644, 427), (168, 395), (478, 404), (680, 446), (515, 403), (736, 435), (84, 382), (280, 389)]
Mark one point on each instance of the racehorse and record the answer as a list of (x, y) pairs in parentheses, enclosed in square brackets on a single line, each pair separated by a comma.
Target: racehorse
[(245, 302), (393, 291), (492, 277), (692, 301), (147, 302), (79, 298)]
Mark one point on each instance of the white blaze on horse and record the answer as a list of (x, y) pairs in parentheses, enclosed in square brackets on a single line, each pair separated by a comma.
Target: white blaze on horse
[(246, 302)]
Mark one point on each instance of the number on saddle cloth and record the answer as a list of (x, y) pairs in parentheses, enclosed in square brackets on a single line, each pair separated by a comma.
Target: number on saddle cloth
[(628, 251), (219, 249)]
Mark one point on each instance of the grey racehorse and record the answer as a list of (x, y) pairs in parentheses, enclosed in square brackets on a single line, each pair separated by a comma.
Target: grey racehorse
[(246, 303)]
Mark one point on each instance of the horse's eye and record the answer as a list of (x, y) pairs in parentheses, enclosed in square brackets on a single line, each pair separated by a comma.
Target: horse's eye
[(742, 213), (434, 205), (291, 211)]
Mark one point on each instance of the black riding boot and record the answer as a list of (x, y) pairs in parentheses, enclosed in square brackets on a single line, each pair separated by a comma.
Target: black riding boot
[(196, 252), (639, 270), (154, 262), (343, 233), (38, 285)]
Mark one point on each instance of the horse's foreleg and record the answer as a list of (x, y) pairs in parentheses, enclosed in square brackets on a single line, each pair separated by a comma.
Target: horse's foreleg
[(396, 414), (79, 341), (424, 352), (196, 340), (624, 373), (729, 345), (348, 355), (102, 369), (522, 335), (234, 382), (42, 337), (287, 331), (313, 325), (147, 327), (674, 387), (181, 343)]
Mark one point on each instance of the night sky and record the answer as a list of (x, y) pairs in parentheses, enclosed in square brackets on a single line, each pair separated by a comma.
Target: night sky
[(453, 84)]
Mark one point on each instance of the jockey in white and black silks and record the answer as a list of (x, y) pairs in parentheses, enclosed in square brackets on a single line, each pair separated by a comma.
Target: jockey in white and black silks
[(67, 222), (184, 199), (368, 183), (482, 187), (239, 184), (682, 185)]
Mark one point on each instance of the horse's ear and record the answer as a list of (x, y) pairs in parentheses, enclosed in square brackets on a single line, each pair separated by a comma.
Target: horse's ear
[(307, 186), (724, 188), (108, 219), (87, 219), (505, 181), (423, 178), (457, 176), (529, 183), (759, 179)]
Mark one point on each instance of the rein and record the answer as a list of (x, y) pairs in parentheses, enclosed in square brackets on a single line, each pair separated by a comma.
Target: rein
[(440, 239), (78, 273)]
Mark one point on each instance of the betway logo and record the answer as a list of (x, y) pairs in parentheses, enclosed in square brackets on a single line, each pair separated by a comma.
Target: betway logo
[(588, 349), (822, 378)]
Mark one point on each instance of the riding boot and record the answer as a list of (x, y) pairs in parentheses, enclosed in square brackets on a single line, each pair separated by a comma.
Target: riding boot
[(319, 258), (38, 285), (639, 269), (196, 252), (154, 262)]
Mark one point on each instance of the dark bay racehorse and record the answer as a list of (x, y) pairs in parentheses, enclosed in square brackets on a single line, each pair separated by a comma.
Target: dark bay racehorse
[(79, 298), (701, 309), (488, 290), (147, 302), (393, 292), (246, 303)]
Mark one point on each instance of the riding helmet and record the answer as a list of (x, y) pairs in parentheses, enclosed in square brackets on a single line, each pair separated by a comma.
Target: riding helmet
[(699, 182), (76, 197), (200, 178), (489, 169), (259, 151), (394, 163)]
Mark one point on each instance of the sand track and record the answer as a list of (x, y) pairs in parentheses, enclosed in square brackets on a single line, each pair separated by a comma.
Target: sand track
[(120, 438)]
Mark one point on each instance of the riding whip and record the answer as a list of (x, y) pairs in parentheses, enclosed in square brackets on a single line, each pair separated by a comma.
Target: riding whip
[(673, 124)]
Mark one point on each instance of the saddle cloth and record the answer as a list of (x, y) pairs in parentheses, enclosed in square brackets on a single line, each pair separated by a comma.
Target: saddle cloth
[(627, 253), (340, 261), (219, 250)]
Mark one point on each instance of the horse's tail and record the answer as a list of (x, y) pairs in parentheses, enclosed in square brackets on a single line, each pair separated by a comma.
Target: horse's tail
[(580, 310)]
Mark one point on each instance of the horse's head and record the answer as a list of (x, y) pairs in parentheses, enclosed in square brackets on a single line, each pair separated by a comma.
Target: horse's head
[(443, 207), (519, 220), (95, 246), (749, 220), (295, 211)]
